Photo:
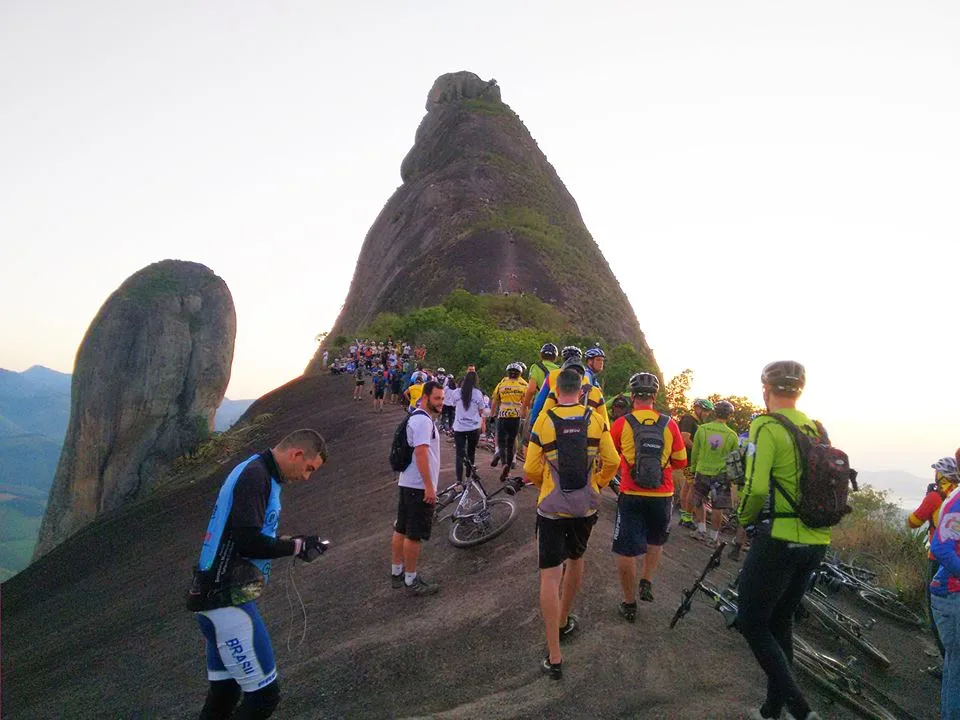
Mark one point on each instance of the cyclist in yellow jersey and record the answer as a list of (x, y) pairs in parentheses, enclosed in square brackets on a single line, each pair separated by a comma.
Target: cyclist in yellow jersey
[(413, 393), (507, 407)]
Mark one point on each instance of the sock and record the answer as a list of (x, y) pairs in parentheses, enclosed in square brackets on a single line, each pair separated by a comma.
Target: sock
[(396, 569), (408, 578), (714, 534), (702, 527)]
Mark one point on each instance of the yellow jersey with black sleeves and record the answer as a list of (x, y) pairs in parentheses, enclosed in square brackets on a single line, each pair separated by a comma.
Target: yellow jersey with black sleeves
[(508, 395)]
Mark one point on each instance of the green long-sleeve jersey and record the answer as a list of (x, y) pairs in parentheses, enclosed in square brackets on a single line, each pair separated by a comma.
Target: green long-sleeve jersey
[(771, 451), (712, 443)]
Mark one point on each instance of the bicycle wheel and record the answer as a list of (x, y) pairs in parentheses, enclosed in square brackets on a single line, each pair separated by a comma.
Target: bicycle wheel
[(828, 618), (484, 525), (834, 679), (891, 608)]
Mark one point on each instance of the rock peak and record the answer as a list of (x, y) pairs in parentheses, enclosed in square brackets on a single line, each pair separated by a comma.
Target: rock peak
[(462, 85)]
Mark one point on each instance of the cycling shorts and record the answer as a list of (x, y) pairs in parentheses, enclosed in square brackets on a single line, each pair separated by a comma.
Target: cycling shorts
[(238, 646), (641, 521), (712, 488)]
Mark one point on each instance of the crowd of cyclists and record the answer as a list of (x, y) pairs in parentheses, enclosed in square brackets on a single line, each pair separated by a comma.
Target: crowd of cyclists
[(572, 442)]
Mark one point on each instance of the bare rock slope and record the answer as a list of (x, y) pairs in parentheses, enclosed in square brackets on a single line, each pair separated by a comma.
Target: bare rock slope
[(482, 209), (149, 375)]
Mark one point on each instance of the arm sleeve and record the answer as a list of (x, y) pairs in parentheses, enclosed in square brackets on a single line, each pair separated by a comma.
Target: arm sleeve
[(945, 543), (533, 465), (678, 449), (695, 449), (609, 459), (252, 543), (538, 403), (756, 488), (925, 512)]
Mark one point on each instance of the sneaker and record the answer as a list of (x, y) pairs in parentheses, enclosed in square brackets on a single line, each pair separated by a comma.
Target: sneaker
[(505, 474), (696, 534), (713, 543), (496, 458), (396, 581), (567, 631), (688, 524), (734, 553), (554, 670), (628, 611), (645, 592), (419, 586)]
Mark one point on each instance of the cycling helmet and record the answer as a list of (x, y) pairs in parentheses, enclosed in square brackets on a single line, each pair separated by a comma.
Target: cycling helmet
[(593, 352), (947, 467), (514, 367), (571, 351), (644, 383), (787, 376), (440, 370), (724, 409), (621, 401), (549, 351), (703, 404), (574, 362), (523, 367)]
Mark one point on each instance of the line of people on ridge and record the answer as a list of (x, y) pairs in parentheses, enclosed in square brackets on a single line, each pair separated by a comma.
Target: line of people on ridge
[(573, 452)]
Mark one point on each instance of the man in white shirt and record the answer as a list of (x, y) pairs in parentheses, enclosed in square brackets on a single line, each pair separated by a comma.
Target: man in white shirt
[(417, 494)]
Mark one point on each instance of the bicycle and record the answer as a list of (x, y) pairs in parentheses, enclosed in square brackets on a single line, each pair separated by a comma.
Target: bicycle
[(886, 602), (477, 516), (826, 672)]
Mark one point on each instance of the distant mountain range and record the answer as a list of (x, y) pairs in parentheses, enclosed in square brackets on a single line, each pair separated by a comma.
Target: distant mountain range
[(34, 413)]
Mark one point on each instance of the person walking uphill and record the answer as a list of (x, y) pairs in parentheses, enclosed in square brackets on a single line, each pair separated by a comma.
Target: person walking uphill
[(785, 550), (417, 494), (468, 421), (651, 448), (239, 544), (713, 442), (570, 459)]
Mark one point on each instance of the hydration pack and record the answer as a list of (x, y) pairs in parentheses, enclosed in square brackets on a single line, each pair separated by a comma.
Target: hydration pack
[(401, 454), (826, 478), (737, 465), (648, 443), (573, 467)]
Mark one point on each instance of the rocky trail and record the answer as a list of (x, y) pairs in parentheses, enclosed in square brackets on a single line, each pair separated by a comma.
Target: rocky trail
[(97, 628)]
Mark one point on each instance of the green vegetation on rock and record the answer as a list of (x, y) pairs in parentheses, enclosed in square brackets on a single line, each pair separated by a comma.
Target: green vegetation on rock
[(491, 331)]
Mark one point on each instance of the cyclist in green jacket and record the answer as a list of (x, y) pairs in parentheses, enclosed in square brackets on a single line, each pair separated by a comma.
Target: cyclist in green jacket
[(784, 551), (711, 445)]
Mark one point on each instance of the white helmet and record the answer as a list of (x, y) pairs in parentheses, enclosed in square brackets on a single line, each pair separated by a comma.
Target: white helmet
[(947, 466)]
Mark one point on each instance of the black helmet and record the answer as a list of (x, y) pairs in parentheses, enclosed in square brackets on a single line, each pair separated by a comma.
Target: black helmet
[(723, 409), (621, 401), (571, 351), (574, 363), (786, 376), (549, 351), (644, 383)]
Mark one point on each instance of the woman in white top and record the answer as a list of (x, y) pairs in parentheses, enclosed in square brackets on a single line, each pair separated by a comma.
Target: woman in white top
[(468, 420), (446, 417)]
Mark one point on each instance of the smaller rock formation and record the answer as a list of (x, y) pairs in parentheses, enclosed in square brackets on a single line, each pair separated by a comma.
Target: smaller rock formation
[(149, 376)]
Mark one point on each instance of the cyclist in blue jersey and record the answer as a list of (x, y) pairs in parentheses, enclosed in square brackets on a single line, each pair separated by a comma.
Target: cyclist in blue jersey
[(240, 542), (595, 358)]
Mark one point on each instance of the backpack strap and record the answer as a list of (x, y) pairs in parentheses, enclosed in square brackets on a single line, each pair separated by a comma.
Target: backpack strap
[(801, 467), (421, 411), (543, 369)]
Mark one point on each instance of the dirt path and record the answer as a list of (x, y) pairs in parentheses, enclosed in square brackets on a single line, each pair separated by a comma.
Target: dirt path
[(97, 629)]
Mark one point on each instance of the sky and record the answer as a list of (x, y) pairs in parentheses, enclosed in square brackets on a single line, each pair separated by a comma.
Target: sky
[(766, 179)]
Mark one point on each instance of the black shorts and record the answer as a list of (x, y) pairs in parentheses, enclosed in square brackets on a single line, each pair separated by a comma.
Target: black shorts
[(414, 516), (360, 382), (712, 488), (563, 539), (378, 393), (641, 521), (395, 388)]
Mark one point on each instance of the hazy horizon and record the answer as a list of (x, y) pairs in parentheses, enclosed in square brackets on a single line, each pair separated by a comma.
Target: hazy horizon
[(789, 171)]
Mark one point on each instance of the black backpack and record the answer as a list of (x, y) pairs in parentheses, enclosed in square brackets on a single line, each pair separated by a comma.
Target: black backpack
[(573, 468), (648, 442), (826, 478), (401, 454)]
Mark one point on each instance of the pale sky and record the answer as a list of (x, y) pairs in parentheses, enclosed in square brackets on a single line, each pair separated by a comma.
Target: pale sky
[(766, 179)]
